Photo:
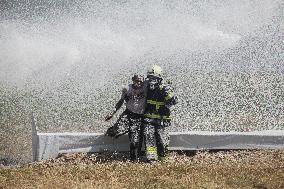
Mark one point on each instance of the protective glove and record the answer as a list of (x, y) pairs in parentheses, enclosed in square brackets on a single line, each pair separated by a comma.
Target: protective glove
[(165, 123), (111, 132), (108, 117)]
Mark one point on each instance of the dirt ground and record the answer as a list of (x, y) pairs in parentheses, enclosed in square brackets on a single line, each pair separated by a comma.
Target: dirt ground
[(202, 169)]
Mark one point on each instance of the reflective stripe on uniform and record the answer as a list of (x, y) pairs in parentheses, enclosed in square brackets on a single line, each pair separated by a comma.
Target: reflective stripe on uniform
[(152, 150), (169, 96), (156, 103), (153, 116), (167, 117), (157, 116)]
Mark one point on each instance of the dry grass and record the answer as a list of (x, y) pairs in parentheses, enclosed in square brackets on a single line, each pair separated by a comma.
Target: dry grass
[(230, 169)]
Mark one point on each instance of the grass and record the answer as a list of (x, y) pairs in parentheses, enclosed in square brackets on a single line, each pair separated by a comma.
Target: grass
[(224, 169)]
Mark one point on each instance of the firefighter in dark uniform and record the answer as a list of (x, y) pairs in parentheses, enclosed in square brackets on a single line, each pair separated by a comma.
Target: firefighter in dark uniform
[(160, 98)]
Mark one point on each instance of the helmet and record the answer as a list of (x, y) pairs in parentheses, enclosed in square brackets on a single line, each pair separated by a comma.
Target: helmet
[(155, 70)]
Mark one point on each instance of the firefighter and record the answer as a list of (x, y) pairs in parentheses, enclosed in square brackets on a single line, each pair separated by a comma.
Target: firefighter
[(160, 98), (134, 97)]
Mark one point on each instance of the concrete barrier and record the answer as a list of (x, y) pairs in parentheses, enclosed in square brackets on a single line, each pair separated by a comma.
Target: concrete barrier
[(49, 145)]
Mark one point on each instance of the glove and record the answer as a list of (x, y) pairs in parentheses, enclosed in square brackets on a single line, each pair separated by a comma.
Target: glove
[(126, 98), (111, 132), (166, 123), (108, 117)]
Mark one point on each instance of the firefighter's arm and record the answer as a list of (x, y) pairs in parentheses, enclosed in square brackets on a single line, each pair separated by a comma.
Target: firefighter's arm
[(118, 105), (170, 98)]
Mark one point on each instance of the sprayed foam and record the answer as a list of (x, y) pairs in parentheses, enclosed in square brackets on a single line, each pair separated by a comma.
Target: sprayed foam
[(66, 61)]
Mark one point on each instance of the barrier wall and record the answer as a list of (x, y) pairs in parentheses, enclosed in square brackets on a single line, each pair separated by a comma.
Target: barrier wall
[(49, 145)]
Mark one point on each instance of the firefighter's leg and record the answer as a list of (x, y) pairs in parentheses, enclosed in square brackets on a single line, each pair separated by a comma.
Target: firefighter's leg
[(162, 136), (150, 142), (134, 131), (141, 140), (122, 124), (133, 147)]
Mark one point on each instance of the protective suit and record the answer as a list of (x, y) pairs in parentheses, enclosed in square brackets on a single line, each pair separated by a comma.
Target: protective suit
[(160, 98), (130, 121)]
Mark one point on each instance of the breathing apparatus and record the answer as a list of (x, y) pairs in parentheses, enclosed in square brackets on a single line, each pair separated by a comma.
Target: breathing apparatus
[(154, 76)]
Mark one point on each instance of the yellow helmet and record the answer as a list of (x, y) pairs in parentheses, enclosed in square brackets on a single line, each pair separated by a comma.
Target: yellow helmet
[(155, 70)]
